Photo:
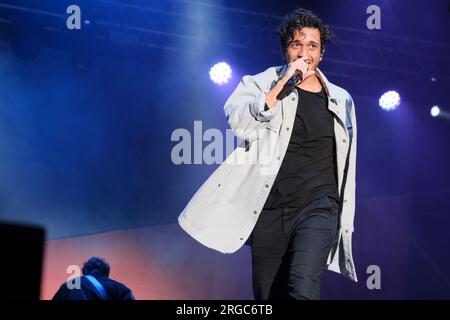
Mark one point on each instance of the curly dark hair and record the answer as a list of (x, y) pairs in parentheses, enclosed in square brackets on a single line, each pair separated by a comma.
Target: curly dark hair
[(96, 265), (302, 18)]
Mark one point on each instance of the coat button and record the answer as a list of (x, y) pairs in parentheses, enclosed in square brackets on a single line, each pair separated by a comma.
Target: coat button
[(267, 185), (344, 141), (241, 238), (293, 98), (255, 212), (345, 200), (346, 230), (287, 129), (278, 158)]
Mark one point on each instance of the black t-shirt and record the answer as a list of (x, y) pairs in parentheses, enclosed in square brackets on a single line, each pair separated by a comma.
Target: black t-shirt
[(308, 170)]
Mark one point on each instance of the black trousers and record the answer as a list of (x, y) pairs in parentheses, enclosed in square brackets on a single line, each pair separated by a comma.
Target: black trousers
[(290, 247)]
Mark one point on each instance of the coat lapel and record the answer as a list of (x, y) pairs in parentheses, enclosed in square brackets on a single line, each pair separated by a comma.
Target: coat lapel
[(335, 104)]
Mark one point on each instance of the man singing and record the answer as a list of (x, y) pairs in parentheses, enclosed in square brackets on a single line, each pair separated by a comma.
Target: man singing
[(295, 205)]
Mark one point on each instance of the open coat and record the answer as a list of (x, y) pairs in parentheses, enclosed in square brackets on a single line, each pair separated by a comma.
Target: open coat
[(224, 210)]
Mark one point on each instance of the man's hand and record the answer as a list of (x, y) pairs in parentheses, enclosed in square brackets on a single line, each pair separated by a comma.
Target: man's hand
[(301, 65), (297, 65)]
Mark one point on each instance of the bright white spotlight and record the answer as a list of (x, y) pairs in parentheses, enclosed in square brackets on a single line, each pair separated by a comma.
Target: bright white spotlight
[(435, 111), (220, 73), (389, 101)]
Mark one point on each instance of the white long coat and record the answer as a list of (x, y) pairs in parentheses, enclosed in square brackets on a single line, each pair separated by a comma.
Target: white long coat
[(223, 212)]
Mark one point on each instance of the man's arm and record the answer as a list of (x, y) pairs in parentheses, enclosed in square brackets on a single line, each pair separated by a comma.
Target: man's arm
[(271, 97), (245, 108), (299, 65)]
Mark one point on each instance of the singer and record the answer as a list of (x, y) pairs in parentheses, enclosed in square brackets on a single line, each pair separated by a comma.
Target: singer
[(297, 212)]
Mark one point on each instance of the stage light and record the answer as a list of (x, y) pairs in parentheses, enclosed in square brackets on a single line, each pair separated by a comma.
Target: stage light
[(220, 73), (389, 101), (435, 111)]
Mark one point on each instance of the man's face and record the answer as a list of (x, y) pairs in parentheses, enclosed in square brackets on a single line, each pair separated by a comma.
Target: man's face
[(306, 43)]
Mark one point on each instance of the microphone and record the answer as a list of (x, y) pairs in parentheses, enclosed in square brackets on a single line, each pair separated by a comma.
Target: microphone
[(296, 78), (290, 85)]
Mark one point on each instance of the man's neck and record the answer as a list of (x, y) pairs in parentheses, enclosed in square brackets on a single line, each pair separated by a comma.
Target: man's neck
[(312, 84)]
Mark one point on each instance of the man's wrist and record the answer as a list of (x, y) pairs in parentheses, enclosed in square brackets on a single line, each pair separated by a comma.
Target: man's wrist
[(283, 81)]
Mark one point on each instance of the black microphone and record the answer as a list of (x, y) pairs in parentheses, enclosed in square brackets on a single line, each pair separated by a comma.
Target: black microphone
[(290, 85), (296, 78)]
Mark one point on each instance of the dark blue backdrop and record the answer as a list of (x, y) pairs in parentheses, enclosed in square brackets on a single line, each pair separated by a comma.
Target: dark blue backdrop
[(86, 116)]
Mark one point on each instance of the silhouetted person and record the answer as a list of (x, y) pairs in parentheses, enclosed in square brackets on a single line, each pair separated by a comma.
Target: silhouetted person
[(95, 284)]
